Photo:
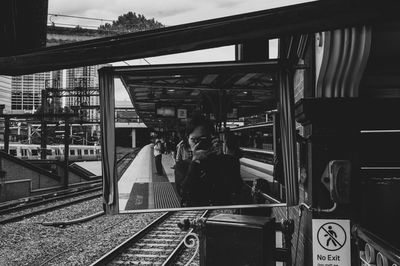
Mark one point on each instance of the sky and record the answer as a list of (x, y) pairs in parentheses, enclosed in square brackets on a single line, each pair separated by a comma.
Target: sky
[(169, 13)]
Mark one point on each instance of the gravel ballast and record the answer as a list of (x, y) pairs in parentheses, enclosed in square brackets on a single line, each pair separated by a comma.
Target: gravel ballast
[(30, 243)]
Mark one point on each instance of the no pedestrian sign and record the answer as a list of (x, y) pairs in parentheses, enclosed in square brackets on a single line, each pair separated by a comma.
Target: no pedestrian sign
[(331, 242)]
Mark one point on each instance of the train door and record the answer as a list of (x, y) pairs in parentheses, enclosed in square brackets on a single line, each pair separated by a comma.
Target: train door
[(50, 154), (24, 153), (92, 153)]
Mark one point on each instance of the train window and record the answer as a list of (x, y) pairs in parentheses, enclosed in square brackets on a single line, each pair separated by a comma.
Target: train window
[(86, 152), (49, 152), (79, 152), (13, 152), (24, 152), (92, 152), (35, 152), (72, 152)]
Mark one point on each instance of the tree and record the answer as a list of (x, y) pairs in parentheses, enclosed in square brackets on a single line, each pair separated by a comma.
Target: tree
[(130, 22)]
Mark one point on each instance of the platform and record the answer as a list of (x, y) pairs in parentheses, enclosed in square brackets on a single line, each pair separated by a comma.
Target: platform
[(251, 169), (91, 166), (142, 188)]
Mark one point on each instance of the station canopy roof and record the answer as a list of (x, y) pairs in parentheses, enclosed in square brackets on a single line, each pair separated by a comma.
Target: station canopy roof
[(214, 88), (268, 24)]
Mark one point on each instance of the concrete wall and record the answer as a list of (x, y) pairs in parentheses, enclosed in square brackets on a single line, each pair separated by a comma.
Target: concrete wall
[(15, 171), (10, 190), (22, 179)]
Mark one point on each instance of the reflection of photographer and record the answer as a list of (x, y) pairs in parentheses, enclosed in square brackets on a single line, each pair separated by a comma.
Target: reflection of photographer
[(205, 181)]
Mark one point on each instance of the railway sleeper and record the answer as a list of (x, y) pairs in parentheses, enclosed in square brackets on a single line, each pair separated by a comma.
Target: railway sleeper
[(134, 263), (163, 235), (154, 244), (151, 249), (153, 256), (159, 240)]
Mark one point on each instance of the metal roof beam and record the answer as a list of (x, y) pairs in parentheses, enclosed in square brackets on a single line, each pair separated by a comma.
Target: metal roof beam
[(269, 24), (254, 88)]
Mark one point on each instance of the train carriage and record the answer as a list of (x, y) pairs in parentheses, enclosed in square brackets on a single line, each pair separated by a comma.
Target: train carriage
[(54, 152)]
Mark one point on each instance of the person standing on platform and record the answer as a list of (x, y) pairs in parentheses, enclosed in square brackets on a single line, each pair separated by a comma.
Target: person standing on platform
[(158, 150), (182, 160)]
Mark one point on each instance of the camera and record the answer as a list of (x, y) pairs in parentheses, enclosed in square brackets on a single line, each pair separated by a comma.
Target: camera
[(204, 144)]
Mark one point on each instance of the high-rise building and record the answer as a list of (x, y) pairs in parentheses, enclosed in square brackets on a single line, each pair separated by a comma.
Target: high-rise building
[(26, 92), (55, 104), (5, 92), (84, 79)]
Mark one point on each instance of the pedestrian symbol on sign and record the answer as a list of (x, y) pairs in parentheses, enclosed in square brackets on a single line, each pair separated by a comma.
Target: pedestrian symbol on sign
[(331, 236)]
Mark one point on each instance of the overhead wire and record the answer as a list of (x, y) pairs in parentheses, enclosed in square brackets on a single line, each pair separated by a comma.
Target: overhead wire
[(84, 26), (80, 17), (72, 25)]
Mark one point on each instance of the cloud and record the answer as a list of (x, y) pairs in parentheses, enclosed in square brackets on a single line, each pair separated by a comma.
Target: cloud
[(171, 12), (228, 4)]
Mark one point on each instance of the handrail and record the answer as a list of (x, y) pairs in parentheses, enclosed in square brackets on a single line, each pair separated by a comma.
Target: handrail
[(392, 253), (255, 150), (258, 125), (266, 196)]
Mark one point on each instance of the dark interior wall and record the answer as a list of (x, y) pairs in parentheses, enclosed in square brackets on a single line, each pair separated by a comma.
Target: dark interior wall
[(22, 25), (142, 137), (123, 137)]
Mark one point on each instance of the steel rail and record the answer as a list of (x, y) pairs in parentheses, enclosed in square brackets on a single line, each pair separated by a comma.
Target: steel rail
[(47, 209), (139, 238), (57, 206), (48, 196), (180, 247), (109, 256), (52, 199)]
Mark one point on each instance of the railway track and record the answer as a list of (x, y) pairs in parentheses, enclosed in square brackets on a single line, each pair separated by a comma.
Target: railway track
[(156, 244), (20, 211), (50, 197), (125, 161), (23, 213)]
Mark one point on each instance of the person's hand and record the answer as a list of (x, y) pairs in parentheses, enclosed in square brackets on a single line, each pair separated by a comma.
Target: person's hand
[(199, 155), (216, 146)]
